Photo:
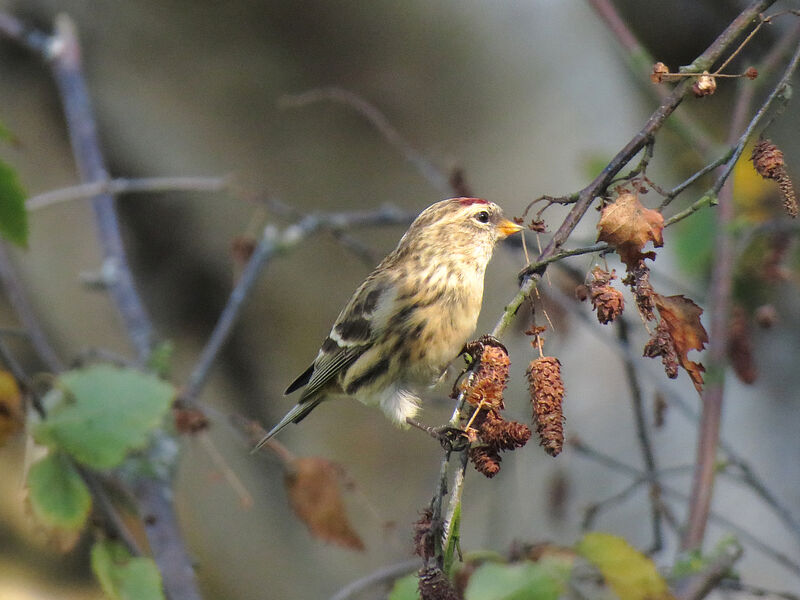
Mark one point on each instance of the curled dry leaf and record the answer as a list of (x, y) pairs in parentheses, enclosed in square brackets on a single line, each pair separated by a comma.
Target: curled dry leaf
[(628, 226), (315, 496), (12, 414), (681, 318)]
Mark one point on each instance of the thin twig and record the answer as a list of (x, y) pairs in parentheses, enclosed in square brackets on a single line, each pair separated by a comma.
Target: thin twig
[(742, 533), (121, 186), (640, 62), (746, 473), (698, 585), (645, 445), (382, 576), (778, 92), (22, 307), (433, 174), (654, 123)]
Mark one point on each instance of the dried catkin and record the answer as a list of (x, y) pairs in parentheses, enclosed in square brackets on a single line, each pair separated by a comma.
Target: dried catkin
[(606, 300), (434, 585), (769, 163), (485, 459), (547, 394), (490, 378)]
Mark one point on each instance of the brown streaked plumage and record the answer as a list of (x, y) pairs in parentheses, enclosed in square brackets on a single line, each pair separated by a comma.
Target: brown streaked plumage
[(410, 317)]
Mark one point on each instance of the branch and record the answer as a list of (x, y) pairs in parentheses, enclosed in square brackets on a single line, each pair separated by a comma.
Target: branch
[(699, 585), (721, 285), (433, 174), (747, 474), (65, 63), (155, 495), (778, 93), (616, 465), (22, 307), (597, 187), (127, 186), (640, 62), (381, 576)]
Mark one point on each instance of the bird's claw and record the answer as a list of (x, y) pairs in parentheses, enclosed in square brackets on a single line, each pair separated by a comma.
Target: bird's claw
[(453, 439)]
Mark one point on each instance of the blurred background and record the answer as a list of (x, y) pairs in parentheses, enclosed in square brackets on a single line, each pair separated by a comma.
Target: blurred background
[(529, 98)]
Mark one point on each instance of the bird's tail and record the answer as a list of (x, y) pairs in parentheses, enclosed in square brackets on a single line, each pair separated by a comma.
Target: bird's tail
[(297, 414)]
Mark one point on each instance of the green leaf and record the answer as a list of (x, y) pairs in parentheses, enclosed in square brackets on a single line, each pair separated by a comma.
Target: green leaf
[(124, 577), (5, 133), (58, 497), (405, 588), (103, 413), (13, 216), (160, 359), (629, 573), (519, 581)]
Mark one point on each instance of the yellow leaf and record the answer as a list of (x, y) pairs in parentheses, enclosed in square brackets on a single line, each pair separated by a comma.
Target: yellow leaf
[(629, 573), (752, 194), (12, 415)]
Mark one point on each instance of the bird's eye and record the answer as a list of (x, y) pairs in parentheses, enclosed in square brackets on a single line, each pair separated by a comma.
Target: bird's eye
[(482, 216)]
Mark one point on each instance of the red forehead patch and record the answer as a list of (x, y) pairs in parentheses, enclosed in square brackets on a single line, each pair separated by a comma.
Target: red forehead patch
[(471, 201)]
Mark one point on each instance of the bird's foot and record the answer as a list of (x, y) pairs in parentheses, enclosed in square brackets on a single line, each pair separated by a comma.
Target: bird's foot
[(452, 439)]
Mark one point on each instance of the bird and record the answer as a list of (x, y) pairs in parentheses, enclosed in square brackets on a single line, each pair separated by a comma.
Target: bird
[(410, 317)]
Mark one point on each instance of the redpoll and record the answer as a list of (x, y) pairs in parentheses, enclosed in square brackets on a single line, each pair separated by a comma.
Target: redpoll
[(411, 316)]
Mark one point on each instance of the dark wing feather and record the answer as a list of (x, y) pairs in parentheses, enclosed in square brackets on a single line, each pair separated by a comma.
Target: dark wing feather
[(328, 366), (301, 380), (352, 334)]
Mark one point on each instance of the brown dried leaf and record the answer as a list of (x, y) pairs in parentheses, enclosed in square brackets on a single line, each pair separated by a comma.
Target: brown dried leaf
[(315, 497), (681, 317), (12, 413), (627, 226), (740, 346)]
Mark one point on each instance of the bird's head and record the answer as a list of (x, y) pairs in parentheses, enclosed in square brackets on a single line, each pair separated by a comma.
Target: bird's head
[(466, 226)]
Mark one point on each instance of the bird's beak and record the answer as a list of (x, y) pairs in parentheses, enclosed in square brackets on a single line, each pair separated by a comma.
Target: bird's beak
[(507, 228)]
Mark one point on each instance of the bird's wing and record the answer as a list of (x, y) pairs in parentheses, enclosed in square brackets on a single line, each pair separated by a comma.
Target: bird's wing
[(356, 329)]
